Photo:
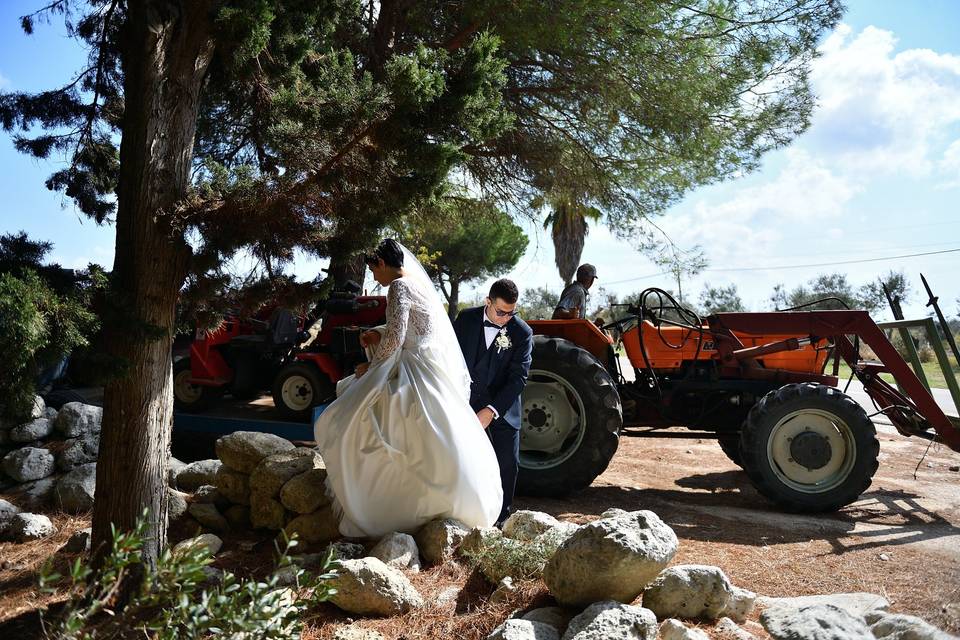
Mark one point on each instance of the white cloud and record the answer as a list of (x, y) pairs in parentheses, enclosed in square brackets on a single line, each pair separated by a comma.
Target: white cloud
[(882, 112), (759, 217), (949, 166)]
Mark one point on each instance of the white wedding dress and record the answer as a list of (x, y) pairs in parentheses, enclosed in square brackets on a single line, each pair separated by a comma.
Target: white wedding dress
[(401, 444)]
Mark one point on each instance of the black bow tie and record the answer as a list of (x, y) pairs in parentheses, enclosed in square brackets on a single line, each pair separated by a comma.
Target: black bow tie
[(487, 323)]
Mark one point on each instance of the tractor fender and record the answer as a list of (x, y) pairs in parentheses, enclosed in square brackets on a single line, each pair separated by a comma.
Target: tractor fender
[(324, 362)]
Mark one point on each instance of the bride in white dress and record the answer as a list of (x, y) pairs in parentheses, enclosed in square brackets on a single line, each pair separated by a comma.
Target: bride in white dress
[(401, 444)]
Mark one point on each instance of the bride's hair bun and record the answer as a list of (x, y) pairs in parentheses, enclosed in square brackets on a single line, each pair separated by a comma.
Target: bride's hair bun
[(389, 250)]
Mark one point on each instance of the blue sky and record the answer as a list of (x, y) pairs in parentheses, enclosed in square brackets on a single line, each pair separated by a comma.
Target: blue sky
[(876, 176)]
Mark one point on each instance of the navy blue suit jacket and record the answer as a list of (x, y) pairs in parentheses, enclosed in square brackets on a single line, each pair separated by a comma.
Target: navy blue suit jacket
[(508, 370)]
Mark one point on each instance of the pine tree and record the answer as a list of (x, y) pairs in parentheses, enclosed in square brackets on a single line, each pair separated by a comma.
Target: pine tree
[(203, 127)]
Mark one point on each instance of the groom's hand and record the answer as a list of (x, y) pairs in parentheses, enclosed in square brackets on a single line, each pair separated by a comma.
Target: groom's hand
[(485, 416), (369, 338)]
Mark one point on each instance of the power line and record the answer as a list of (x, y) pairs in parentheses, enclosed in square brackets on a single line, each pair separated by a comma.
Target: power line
[(652, 275), (833, 264)]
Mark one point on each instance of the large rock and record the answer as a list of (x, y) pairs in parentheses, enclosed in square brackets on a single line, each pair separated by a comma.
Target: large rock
[(78, 451), (76, 419), (274, 471), (36, 429), (7, 510), (675, 630), (74, 492), (306, 492), (397, 550), (857, 604), (693, 591), (266, 512), (520, 629), (29, 463), (30, 526), (209, 542), (527, 525), (79, 542), (38, 408), (316, 528), (238, 516), (196, 474), (608, 620), (174, 467), (37, 494), (369, 587), (209, 494), (556, 617), (438, 539), (243, 450), (814, 622), (50, 413), (208, 516), (610, 559), (898, 626), (176, 504), (727, 629), (233, 485)]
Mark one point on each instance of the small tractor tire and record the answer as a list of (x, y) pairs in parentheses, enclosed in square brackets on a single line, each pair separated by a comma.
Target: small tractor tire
[(809, 448), (730, 444), (191, 398), (571, 410), (298, 388)]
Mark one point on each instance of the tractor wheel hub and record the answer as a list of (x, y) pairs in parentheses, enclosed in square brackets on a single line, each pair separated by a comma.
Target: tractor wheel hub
[(811, 450), (537, 418)]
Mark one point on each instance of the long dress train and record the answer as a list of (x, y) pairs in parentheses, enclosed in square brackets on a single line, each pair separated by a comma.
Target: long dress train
[(401, 444)]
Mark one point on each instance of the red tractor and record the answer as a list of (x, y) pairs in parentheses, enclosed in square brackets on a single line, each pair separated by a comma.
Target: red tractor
[(274, 352), (759, 382)]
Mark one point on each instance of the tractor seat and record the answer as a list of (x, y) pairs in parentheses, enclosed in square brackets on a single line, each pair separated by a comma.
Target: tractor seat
[(284, 327)]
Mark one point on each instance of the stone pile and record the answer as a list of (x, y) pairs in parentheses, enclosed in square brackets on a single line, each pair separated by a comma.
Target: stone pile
[(48, 460), (262, 481)]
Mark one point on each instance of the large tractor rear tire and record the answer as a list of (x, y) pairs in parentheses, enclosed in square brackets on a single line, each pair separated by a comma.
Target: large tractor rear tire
[(809, 448), (730, 444), (571, 420)]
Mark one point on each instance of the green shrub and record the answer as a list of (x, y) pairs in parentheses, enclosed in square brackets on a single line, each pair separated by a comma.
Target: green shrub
[(500, 557), (175, 602), (38, 327)]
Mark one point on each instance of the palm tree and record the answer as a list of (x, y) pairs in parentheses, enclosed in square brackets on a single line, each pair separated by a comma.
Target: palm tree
[(569, 228)]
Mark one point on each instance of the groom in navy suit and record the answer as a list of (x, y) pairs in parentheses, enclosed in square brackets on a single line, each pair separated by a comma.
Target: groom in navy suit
[(497, 345)]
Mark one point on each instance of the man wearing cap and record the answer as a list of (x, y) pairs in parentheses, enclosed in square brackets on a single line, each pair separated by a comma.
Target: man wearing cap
[(573, 299)]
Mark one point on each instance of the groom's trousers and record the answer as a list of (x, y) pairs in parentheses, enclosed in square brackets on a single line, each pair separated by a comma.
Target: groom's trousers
[(506, 444)]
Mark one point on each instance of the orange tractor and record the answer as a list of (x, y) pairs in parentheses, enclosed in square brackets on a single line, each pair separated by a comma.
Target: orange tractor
[(759, 382)]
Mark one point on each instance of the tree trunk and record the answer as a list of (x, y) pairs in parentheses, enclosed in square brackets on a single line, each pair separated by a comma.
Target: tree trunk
[(166, 50), (569, 233), (453, 300), (344, 268)]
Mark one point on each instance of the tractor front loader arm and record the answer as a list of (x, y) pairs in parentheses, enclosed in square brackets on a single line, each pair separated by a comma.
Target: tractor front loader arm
[(913, 411)]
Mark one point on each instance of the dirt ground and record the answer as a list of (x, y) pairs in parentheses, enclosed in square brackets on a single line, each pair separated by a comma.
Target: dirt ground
[(901, 540)]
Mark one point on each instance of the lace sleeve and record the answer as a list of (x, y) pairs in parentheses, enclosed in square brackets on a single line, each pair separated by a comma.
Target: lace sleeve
[(398, 314)]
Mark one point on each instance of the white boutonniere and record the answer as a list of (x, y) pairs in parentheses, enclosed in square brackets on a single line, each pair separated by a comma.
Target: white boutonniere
[(503, 340)]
